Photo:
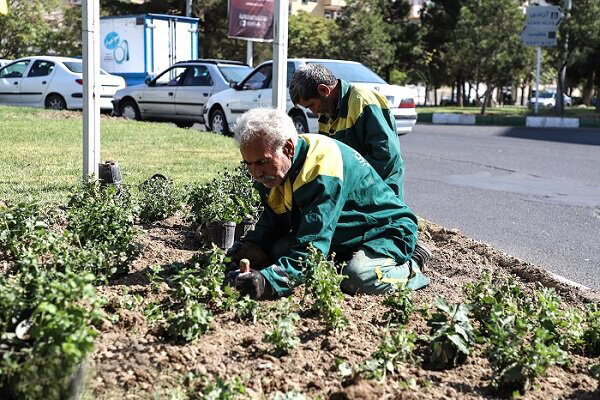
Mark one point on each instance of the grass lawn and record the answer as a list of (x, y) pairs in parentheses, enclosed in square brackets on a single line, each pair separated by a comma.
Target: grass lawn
[(512, 111), (42, 152)]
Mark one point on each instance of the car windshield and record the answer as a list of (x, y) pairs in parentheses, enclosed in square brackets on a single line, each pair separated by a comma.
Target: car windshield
[(77, 67), (546, 95), (234, 73), (351, 72)]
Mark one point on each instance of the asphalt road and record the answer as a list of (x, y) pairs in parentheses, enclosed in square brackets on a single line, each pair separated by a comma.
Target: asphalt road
[(531, 192)]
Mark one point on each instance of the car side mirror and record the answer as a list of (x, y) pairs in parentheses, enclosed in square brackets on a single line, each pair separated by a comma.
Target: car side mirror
[(148, 81), (233, 84)]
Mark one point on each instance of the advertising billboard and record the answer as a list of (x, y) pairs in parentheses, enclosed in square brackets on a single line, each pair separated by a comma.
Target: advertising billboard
[(251, 19)]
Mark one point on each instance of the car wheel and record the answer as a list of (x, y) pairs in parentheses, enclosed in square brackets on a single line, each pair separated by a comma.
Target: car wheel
[(56, 102), (185, 125), (300, 123), (130, 110), (218, 122)]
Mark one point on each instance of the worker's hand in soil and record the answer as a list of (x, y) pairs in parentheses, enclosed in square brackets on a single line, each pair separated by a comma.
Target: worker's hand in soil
[(253, 284), (240, 250)]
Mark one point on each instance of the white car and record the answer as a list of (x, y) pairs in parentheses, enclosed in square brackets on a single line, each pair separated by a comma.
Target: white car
[(52, 82), (222, 109), (548, 99)]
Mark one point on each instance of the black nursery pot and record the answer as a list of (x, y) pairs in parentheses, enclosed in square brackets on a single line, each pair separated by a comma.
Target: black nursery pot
[(244, 227), (222, 234)]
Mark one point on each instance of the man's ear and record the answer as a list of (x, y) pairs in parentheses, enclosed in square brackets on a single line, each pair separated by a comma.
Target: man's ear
[(288, 148), (323, 90)]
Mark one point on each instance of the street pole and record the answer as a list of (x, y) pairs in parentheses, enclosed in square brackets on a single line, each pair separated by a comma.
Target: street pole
[(90, 14), (280, 36), (249, 55), (537, 78), (188, 8), (562, 66)]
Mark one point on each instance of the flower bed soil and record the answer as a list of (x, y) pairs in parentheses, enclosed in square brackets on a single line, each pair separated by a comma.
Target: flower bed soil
[(131, 361)]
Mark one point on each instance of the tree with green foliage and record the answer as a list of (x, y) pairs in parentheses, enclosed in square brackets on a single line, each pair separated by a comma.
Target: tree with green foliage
[(582, 28), (27, 28), (363, 36), (487, 42), (310, 36), (438, 21)]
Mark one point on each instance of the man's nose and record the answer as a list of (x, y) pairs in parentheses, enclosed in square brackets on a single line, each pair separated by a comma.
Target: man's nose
[(255, 171)]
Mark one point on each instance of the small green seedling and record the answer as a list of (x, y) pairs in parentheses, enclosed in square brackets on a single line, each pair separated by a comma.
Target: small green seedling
[(323, 289), (399, 304), (397, 347), (282, 335), (190, 323), (451, 335), (247, 309)]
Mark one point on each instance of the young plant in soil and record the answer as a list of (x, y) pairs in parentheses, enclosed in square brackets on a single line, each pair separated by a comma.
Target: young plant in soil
[(517, 354), (591, 333), (247, 309), (158, 199), (399, 304), (451, 335), (202, 388), (102, 218), (189, 323), (282, 335), (201, 280), (46, 330), (396, 348), (323, 289)]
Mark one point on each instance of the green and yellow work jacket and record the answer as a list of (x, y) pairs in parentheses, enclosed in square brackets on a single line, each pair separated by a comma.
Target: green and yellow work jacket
[(364, 122), (335, 200)]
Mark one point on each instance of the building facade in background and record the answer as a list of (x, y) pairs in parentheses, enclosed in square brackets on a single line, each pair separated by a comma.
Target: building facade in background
[(333, 8)]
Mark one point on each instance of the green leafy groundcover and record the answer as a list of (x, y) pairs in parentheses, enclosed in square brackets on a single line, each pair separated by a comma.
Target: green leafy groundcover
[(53, 258)]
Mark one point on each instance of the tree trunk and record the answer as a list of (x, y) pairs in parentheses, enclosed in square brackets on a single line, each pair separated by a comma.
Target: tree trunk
[(588, 90), (435, 99), (426, 95), (523, 94), (452, 93), (469, 95), (487, 98), (459, 92)]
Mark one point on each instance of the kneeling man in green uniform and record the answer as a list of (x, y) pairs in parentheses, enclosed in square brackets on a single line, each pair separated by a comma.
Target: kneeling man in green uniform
[(317, 190)]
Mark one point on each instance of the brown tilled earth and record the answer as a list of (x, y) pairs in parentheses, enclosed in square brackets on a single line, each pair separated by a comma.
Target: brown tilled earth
[(131, 361)]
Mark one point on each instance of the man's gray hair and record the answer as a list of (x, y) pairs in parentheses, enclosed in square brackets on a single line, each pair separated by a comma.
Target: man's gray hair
[(307, 78), (275, 127)]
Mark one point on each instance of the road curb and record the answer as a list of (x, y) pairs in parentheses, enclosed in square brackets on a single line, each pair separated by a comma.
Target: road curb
[(494, 120)]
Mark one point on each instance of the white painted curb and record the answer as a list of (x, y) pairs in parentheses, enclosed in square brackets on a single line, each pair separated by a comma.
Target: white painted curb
[(453, 119), (552, 122)]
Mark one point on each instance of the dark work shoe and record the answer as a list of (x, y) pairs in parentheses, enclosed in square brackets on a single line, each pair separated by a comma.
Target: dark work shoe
[(421, 255)]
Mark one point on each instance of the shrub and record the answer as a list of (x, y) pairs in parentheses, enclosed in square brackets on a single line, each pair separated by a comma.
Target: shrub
[(229, 197), (159, 199)]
